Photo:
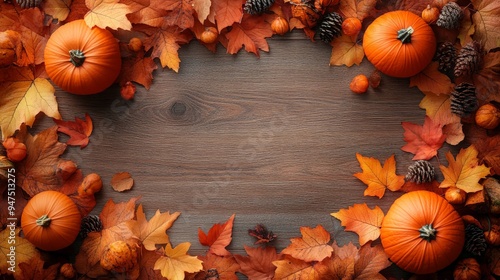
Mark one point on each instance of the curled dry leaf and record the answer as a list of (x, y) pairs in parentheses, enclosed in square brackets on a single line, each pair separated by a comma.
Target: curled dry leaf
[(122, 181)]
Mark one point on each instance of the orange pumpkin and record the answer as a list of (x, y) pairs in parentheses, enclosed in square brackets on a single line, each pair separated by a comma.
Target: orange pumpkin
[(51, 220), (422, 233), (399, 44), (82, 60), (467, 269)]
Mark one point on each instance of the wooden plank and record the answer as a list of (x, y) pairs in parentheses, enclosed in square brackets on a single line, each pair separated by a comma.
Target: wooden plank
[(272, 140)]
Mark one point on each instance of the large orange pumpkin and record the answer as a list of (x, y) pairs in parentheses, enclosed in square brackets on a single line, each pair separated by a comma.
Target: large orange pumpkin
[(82, 60), (399, 43), (51, 220), (422, 233)]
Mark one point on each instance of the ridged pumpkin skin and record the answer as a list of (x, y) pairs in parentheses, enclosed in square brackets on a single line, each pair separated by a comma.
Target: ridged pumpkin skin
[(101, 65), (401, 238), (389, 54), (65, 220)]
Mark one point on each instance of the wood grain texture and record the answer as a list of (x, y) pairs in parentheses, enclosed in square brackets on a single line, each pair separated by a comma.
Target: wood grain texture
[(271, 139)]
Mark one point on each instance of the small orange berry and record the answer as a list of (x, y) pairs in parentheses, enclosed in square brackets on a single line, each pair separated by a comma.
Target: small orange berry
[(359, 84)]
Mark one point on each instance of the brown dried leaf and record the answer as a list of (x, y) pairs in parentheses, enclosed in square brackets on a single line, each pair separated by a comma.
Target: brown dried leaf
[(122, 181)]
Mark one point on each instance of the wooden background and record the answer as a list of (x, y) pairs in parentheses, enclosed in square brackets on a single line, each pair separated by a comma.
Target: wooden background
[(270, 139)]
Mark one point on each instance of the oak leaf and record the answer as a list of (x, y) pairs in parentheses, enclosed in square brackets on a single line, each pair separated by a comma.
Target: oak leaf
[(58, 9), (312, 246), (154, 231), (24, 251), (21, 101), (486, 21), (489, 152), (181, 13), (357, 8), (251, 32), (226, 267), (346, 51), (218, 237), (176, 262), (78, 130), (423, 141), (107, 13), (34, 269), (362, 220), (430, 80), (122, 181), (464, 172), (378, 178), (486, 81), (258, 265), (290, 268), (225, 12)]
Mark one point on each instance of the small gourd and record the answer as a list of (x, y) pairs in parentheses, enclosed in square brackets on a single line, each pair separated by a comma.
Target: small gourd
[(430, 14), (359, 84), (92, 183), (280, 25), (210, 35), (16, 150), (487, 116), (119, 256), (455, 195), (351, 26), (467, 269), (135, 44)]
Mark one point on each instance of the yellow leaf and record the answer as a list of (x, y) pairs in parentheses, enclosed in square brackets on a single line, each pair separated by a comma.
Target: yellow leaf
[(431, 80), (58, 9), (175, 262), (437, 107), (154, 231), (362, 220), (464, 172), (21, 101), (346, 51), (23, 251), (107, 13), (378, 178)]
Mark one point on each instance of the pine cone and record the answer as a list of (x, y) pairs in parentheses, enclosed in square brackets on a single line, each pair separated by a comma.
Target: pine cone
[(420, 172), (89, 224), (450, 16), (446, 55), (475, 243), (330, 27), (25, 4), (463, 99), (468, 59), (255, 7)]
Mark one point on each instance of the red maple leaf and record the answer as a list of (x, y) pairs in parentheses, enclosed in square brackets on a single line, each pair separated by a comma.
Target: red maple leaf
[(251, 32), (423, 141), (218, 237)]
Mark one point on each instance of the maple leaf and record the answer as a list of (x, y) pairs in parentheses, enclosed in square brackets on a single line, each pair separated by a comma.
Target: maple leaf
[(78, 131), (154, 231), (107, 13), (202, 8), (175, 262), (23, 253), (489, 152), (357, 8), (464, 172), (225, 12), (181, 13), (165, 43), (218, 237), (122, 181), (431, 80), (251, 33), (437, 107), (423, 141), (312, 246), (372, 259), (378, 178), (345, 51), (258, 265), (137, 68), (362, 220), (58, 9), (486, 81), (34, 269), (224, 266), (146, 264), (21, 101), (33, 47), (290, 268), (486, 21)]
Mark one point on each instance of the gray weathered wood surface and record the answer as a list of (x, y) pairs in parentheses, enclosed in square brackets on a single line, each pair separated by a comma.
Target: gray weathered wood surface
[(272, 140)]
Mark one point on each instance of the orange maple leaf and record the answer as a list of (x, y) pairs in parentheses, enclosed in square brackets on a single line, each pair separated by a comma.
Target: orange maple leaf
[(346, 51), (371, 260), (251, 32), (290, 268), (357, 8), (225, 12), (489, 152), (181, 13), (218, 237), (176, 262), (154, 231), (137, 68), (78, 131), (423, 141), (58, 9), (378, 178), (362, 220), (258, 265), (151, 12), (464, 172), (312, 246), (34, 269), (225, 267), (430, 80)]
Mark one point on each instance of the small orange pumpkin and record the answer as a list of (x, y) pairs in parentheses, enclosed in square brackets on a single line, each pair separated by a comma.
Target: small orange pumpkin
[(430, 14), (422, 233), (82, 60), (91, 184), (280, 26), (359, 84), (351, 26), (210, 35), (467, 269), (399, 44), (51, 220)]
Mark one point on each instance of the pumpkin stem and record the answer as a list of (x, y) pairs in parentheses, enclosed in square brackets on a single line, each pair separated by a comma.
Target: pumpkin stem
[(43, 221), (76, 57), (405, 35), (428, 232)]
